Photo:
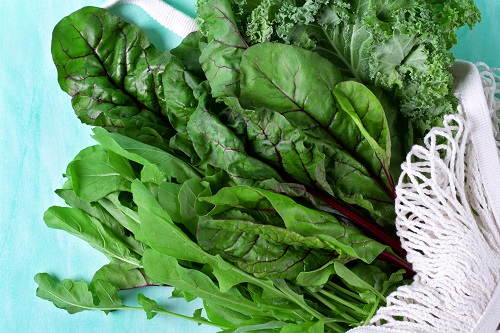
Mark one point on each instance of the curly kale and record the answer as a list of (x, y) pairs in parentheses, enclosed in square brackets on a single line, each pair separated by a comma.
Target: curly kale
[(402, 47)]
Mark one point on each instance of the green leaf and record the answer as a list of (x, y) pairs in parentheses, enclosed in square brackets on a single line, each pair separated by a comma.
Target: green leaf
[(275, 141), (168, 198), (323, 227), (131, 149), (125, 215), (107, 295), (222, 315), (366, 290), (107, 214), (216, 145), (262, 250), (68, 295), (167, 270), (89, 229), (307, 327), (221, 57), (122, 276), (300, 85), (150, 306), (110, 69), (368, 115), (160, 231), (98, 174), (75, 296), (189, 51), (188, 198), (317, 277)]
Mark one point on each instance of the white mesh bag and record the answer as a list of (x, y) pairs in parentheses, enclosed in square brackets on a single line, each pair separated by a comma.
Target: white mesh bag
[(448, 208)]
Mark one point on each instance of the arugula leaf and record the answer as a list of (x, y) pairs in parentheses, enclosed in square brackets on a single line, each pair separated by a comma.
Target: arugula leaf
[(99, 174), (91, 230), (76, 296), (122, 276), (167, 270), (170, 165)]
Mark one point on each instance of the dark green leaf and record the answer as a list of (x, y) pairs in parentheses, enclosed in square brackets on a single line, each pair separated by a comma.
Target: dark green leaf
[(220, 58), (110, 69)]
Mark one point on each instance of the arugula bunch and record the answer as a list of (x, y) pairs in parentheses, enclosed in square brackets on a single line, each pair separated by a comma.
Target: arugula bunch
[(256, 176)]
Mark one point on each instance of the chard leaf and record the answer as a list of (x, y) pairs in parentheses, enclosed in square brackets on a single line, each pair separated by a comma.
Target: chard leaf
[(262, 250), (91, 230), (321, 227), (179, 85), (189, 51), (271, 138), (301, 85), (216, 145), (100, 173), (110, 69), (220, 58), (74, 296), (167, 270)]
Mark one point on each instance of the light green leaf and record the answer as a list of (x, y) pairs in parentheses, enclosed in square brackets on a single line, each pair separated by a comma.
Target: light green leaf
[(167, 270), (98, 174), (89, 229), (75, 296)]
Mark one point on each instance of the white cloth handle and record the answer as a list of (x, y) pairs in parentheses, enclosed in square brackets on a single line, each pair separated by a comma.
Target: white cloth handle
[(166, 15)]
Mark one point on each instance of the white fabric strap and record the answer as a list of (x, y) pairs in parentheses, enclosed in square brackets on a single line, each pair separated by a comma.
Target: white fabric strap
[(166, 15), (467, 87)]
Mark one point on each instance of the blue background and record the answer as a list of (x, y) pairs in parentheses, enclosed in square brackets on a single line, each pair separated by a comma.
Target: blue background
[(39, 135)]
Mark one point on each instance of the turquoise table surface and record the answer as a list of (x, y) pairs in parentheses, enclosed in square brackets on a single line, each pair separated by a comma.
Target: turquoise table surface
[(39, 135)]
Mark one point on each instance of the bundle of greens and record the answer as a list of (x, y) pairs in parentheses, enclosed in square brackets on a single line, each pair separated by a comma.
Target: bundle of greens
[(239, 169)]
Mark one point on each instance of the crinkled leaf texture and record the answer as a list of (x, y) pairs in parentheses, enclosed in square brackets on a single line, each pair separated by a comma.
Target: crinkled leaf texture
[(399, 46)]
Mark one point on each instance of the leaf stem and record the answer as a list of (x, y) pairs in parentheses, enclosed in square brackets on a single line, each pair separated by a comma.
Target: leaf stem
[(343, 302), (361, 221), (335, 327), (178, 315), (332, 306), (334, 287)]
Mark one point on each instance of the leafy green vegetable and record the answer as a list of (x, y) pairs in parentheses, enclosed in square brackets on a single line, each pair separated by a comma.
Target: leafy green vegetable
[(112, 74), (252, 166), (401, 47)]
